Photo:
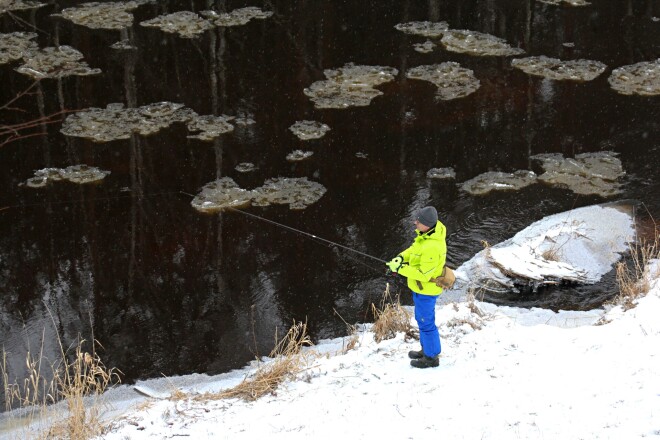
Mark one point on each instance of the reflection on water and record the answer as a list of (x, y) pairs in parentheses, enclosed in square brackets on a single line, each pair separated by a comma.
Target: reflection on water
[(169, 290)]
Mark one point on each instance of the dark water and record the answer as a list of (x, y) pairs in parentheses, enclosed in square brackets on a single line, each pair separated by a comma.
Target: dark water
[(168, 290)]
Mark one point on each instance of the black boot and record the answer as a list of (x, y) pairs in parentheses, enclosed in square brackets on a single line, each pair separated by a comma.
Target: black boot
[(425, 362), (416, 354)]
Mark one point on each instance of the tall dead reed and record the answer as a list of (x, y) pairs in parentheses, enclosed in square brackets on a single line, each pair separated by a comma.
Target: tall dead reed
[(288, 360), (391, 318), (632, 277), (77, 380)]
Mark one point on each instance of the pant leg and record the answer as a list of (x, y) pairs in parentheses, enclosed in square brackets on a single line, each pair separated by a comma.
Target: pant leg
[(425, 317)]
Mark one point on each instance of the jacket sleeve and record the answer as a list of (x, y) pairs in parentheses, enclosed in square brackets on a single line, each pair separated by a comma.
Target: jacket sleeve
[(406, 255), (432, 258)]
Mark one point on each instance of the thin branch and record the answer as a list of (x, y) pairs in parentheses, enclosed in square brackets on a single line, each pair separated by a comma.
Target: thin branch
[(19, 96), (20, 20)]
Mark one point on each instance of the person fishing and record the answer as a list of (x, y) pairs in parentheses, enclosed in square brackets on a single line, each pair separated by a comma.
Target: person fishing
[(421, 263)]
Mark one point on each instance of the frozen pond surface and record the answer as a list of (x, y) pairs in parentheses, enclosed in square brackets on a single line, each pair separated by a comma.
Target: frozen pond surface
[(452, 80), (637, 79), (349, 86), (553, 68), (79, 174), (94, 15), (306, 130), (206, 120)]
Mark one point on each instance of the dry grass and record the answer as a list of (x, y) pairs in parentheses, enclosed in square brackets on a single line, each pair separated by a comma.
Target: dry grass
[(350, 342), (551, 254), (77, 376), (632, 279), (391, 318), (288, 361)]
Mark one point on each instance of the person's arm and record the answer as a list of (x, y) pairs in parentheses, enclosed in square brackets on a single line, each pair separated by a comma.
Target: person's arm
[(431, 259)]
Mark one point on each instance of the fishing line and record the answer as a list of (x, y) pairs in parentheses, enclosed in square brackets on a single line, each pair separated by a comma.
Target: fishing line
[(330, 243)]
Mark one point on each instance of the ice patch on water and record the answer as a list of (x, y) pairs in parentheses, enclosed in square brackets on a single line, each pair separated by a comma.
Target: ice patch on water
[(452, 80), (245, 167), (117, 122), (427, 29), (123, 45), (349, 86), (477, 43), (80, 174), (224, 193), (566, 2), (237, 17), (221, 194), (425, 47), (441, 173), (298, 193), (299, 155), (306, 130), (637, 79), (553, 68), (17, 5), (16, 45), (498, 181), (211, 127), (94, 15), (588, 173), (55, 62), (184, 23)]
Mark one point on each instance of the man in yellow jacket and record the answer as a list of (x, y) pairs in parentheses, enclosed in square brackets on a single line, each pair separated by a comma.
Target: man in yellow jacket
[(421, 263)]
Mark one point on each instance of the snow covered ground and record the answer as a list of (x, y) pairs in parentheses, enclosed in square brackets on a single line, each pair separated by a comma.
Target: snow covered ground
[(505, 373)]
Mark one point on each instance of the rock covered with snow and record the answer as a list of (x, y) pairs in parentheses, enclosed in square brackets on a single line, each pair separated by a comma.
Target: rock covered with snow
[(580, 245)]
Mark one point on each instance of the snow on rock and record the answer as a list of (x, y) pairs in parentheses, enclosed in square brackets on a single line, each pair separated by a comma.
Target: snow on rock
[(580, 245)]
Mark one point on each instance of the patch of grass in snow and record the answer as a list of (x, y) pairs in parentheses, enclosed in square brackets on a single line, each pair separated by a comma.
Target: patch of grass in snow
[(391, 318), (288, 360), (632, 277), (78, 379)]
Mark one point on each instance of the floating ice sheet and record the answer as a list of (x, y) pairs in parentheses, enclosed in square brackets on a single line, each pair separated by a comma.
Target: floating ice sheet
[(306, 130), (96, 15), (441, 173), (17, 5), (79, 174), (237, 17), (498, 181), (427, 29), (225, 193), (245, 167), (566, 2), (16, 45), (211, 127), (349, 86), (298, 193), (425, 47), (476, 43), (185, 23), (56, 62), (117, 122), (299, 155), (221, 194), (123, 45), (553, 68), (637, 79), (452, 80), (589, 173)]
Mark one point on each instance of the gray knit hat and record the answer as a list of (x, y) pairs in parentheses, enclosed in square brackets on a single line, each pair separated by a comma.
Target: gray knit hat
[(428, 216)]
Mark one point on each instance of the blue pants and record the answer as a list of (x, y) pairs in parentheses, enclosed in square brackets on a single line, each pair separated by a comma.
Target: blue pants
[(425, 317)]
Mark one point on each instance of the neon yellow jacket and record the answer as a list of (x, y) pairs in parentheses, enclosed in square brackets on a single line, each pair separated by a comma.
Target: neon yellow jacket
[(425, 260)]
